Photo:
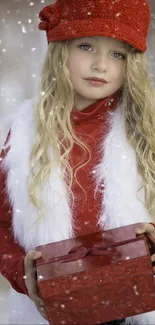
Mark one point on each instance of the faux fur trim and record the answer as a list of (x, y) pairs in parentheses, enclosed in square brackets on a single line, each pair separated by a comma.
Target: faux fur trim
[(120, 206), (118, 172), (57, 224)]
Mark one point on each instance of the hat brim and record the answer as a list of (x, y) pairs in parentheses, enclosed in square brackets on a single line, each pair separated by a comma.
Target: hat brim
[(116, 30)]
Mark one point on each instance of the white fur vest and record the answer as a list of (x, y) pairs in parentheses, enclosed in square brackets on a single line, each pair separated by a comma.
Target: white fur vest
[(120, 205)]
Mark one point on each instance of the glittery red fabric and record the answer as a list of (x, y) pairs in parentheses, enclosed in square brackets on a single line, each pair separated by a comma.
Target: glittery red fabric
[(11, 254), (124, 20), (90, 125)]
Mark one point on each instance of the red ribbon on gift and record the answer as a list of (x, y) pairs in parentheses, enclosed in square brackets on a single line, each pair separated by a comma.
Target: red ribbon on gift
[(81, 251)]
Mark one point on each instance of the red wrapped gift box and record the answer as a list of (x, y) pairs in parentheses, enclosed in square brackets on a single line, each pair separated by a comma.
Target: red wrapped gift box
[(96, 278)]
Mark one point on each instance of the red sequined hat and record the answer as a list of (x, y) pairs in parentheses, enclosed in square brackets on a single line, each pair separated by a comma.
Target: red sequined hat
[(125, 20)]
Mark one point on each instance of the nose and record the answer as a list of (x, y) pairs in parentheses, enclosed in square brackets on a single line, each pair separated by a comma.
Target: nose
[(100, 62)]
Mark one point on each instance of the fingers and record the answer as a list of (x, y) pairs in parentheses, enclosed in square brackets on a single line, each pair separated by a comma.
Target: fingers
[(145, 227), (31, 281), (34, 296), (29, 261), (39, 305), (150, 230), (32, 256), (153, 258)]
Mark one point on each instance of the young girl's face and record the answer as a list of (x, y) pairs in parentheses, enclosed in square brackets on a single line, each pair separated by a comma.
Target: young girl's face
[(100, 57)]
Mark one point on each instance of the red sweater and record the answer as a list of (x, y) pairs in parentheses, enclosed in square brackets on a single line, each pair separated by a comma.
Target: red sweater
[(90, 124)]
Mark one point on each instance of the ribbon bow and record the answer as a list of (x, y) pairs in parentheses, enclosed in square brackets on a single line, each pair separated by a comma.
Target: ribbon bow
[(81, 251), (50, 16)]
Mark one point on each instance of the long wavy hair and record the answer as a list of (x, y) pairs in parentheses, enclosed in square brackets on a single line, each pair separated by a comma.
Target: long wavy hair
[(54, 128)]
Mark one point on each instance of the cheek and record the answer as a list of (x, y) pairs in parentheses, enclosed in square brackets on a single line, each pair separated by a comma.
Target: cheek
[(119, 72), (73, 67), (77, 63)]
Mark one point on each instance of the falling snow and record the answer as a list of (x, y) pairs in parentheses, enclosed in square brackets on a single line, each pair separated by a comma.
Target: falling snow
[(21, 47), (135, 290)]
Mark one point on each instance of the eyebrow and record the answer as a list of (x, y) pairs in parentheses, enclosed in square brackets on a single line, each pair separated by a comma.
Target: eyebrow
[(95, 37)]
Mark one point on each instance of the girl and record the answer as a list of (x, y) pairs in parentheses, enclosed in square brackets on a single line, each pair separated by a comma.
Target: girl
[(80, 157)]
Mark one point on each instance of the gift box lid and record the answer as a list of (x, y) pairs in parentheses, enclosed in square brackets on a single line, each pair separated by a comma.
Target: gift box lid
[(90, 252)]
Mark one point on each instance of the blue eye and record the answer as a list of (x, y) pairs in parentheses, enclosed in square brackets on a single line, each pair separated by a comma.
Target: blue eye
[(122, 55), (88, 46), (84, 45)]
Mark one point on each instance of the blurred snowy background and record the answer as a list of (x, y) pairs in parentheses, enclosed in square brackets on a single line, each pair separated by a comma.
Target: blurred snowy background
[(22, 51)]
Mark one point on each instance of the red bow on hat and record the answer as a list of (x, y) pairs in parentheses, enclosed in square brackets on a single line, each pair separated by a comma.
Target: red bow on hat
[(50, 16)]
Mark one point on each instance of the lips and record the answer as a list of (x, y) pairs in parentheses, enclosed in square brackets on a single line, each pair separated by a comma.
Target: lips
[(97, 79)]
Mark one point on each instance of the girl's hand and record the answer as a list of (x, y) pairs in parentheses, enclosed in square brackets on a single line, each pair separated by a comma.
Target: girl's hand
[(31, 281), (150, 230)]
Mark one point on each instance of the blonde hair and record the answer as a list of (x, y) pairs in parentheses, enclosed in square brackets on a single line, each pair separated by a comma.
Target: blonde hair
[(138, 102), (54, 126)]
